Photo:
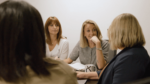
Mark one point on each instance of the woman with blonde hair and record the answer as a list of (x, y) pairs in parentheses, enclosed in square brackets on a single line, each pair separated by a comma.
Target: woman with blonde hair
[(91, 49), (131, 63), (56, 45)]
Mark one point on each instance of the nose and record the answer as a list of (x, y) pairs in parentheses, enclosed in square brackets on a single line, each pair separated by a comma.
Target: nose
[(54, 26), (92, 33)]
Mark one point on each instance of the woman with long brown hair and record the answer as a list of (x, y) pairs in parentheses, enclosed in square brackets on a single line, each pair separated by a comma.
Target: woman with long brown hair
[(56, 45), (22, 48)]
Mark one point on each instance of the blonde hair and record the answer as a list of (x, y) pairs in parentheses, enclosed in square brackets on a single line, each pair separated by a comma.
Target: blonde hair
[(49, 21), (125, 31), (83, 40)]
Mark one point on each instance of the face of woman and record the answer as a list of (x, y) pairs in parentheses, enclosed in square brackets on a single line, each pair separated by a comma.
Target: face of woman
[(90, 31), (53, 29)]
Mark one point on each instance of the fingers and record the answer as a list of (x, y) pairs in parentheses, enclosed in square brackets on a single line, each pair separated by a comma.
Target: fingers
[(94, 39), (92, 42), (56, 58)]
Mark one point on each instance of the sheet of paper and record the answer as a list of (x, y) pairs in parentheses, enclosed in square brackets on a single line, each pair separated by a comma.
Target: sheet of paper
[(78, 66)]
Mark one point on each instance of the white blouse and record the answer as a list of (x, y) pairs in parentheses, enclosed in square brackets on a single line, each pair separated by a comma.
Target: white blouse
[(61, 50)]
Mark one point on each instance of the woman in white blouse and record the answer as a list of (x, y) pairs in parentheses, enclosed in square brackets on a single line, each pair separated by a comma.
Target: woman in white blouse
[(56, 45)]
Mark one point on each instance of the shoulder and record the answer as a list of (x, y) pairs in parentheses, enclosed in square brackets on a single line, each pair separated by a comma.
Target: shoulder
[(133, 57), (57, 69), (59, 66), (105, 44), (137, 50), (60, 69), (136, 53), (63, 40), (78, 44)]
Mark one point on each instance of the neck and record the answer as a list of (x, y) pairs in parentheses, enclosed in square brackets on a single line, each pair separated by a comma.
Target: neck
[(91, 44), (53, 38), (121, 48)]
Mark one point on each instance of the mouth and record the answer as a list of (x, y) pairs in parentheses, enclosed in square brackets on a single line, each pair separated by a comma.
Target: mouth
[(55, 30), (90, 36)]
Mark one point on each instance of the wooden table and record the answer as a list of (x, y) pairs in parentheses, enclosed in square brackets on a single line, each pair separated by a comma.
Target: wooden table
[(89, 81)]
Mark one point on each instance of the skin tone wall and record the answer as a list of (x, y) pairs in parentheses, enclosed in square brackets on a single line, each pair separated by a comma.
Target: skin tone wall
[(72, 13)]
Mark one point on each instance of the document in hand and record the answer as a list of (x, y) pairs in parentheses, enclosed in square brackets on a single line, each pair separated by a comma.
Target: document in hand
[(78, 66)]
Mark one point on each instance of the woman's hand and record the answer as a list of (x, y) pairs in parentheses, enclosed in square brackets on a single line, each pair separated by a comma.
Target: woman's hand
[(81, 75), (95, 39), (57, 58)]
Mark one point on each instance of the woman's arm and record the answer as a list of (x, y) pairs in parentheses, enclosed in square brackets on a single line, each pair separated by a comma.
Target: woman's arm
[(74, 54), (64, 50), (68, 60), (87, 75), (99, 54)]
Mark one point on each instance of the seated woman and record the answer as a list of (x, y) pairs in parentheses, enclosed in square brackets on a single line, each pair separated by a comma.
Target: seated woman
[(91, 49), (56, 45), (22, 48), (130, 64)]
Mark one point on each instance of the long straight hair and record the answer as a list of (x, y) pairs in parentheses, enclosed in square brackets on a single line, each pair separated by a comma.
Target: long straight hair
[(83, 40), (49, 21), (22, 40)]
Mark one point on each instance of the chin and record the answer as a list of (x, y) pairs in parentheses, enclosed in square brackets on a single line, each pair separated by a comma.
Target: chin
[(54, 33)]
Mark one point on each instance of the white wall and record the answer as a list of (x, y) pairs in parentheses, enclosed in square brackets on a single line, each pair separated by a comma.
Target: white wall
[(1, 1), (72, 13)]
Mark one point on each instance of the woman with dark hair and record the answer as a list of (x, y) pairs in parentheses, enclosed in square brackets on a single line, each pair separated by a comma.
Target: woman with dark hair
[(56, 45), (22, 48)]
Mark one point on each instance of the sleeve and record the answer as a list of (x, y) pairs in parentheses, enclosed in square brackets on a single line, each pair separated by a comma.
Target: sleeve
[(105, 49), (75, 53), (65, 50), (127, 69)]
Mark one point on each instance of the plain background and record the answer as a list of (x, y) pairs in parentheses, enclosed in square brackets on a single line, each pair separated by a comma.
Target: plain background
[(72, 13)]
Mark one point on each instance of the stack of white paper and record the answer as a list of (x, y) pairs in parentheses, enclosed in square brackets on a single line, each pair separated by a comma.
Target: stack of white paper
[(78, 66)]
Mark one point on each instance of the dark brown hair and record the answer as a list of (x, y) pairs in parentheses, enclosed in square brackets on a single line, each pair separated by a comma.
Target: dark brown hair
[(49, 21), (22, 40)]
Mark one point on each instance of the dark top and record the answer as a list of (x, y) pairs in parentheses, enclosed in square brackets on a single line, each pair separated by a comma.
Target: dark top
[(129, 65)]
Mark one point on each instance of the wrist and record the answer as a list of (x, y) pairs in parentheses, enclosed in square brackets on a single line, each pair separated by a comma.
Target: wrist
[(98, 42), (99, 48), (98, 45)]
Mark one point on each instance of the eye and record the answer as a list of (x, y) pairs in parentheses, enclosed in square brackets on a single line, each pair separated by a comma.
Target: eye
[(51, 25), (88, 30), (94, 29), (56, 25)]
